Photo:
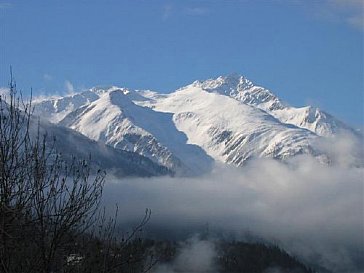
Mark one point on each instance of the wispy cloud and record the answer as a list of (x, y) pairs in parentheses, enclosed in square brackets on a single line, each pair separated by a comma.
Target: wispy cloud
[(350, 12), (69, 87), (195, 255), (170, 10), (314, 211), (167, 11), (197, 11), (347, 3), (47, 77)]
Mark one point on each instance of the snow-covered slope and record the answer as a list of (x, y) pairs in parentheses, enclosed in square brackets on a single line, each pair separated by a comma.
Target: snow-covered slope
[(115, 120), (120, 163), (57, 108), (69, 144), (243, 90), (228, 119), (230, 131)]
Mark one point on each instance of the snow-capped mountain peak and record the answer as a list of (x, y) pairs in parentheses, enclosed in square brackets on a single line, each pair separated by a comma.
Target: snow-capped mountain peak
[(244, 91), (105, 89), (228, 119), (225, 83)]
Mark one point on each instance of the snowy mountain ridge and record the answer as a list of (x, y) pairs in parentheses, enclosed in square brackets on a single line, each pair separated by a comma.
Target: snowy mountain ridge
[(227, 119), (115, 120), (243, 90)]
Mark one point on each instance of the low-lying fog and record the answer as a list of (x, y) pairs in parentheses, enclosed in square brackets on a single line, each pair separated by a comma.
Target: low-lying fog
[(312, 210)]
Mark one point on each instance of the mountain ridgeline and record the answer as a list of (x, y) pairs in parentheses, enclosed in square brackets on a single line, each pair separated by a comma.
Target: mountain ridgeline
[(227, 119)]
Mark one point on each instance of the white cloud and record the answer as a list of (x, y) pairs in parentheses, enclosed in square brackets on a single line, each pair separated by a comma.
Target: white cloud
[(197, 11), (313, 211), (69, 87), (167, 11), (350, 12), (347, 3), (356, 21), (194, 255), (47, 77)]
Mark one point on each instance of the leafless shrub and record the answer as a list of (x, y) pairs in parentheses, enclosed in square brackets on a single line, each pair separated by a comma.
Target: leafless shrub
[(50, 208)]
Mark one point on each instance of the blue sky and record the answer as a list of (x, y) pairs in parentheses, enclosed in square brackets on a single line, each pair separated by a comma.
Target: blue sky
[(306, 52)]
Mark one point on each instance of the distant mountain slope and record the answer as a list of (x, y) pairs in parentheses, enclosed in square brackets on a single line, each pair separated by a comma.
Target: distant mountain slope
[(119, 163), (69, 144), (57, 108)]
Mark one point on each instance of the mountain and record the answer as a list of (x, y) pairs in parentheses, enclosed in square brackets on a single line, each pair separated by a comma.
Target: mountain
[(70, 144), (227, 119), (119, 163), (244, 91), (58, 107), (230, 131), (115, 120)]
